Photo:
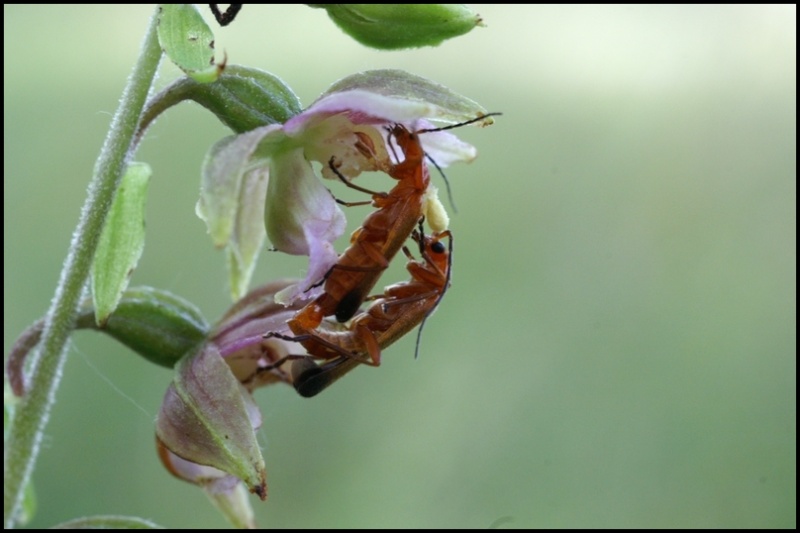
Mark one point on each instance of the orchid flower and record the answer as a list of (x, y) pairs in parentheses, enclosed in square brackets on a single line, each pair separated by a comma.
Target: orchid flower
[(268, 182), (206, 428), (264, 182)]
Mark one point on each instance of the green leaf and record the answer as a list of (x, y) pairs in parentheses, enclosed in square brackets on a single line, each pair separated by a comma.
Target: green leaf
[(188, 41), (439, 102), (396, 26), (232, 196), (121, 243)]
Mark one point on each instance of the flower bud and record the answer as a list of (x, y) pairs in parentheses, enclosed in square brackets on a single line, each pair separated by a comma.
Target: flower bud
[(395, 26), (208, 418), (159, 326), (156, 324), (244, 98), (205, 431)]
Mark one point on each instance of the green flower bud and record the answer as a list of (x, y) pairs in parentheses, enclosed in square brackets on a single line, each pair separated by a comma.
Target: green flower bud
[(208, 418), (262, 92), (242, 98), (159, 326), (205, 432), (396, 26)]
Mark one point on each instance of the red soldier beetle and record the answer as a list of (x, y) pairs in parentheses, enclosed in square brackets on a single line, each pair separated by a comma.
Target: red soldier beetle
[(372, 246), (401, 308), (377, 241)]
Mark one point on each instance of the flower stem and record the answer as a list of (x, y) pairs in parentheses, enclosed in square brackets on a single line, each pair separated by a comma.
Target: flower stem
[(22, 444)]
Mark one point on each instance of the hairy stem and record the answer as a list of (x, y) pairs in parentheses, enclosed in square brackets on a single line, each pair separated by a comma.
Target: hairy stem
[(22, 445)]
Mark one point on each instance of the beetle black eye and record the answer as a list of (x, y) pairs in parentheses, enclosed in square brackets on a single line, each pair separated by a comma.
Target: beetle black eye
[(438, 247)]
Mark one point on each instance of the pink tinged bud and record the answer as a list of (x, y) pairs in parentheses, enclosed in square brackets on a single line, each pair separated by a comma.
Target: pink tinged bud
[(209, 418), (205, 432)]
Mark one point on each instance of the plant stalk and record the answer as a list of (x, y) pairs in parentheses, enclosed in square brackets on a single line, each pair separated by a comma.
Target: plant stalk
[(31, 415)]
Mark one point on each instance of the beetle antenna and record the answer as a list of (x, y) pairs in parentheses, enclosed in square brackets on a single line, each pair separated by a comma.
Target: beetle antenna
[(465, 123), (446, 183)]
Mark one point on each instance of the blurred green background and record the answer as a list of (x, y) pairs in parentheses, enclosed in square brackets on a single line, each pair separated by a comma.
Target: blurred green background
[(617, 349)]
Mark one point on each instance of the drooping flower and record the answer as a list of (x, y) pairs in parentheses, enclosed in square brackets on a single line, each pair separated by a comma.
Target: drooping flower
[(264, 182), (206, 428)]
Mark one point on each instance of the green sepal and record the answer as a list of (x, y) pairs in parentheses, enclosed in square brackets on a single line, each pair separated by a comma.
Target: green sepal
[(232, 194)]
